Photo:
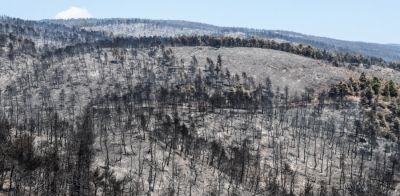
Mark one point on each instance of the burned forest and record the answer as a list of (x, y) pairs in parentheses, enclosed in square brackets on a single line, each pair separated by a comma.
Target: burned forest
[(87, 112)]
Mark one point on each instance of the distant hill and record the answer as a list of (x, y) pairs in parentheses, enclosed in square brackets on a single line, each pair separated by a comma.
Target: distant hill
[(145, 27), (45, 34)]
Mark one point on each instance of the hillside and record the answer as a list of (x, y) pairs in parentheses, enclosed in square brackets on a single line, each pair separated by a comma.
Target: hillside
[(96, 114), (46, 35), (144, 27), (297, 72)]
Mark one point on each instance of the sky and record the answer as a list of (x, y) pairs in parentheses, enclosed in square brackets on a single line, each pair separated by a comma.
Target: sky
[(354, 20)]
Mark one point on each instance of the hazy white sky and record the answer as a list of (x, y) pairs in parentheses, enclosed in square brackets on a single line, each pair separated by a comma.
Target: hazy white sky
[(357, 20)]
